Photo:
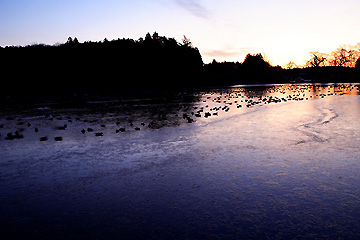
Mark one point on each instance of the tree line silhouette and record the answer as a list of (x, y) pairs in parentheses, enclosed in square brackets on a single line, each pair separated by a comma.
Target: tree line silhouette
[(341, 65), (155, 62), (152, 63), (254, 69)]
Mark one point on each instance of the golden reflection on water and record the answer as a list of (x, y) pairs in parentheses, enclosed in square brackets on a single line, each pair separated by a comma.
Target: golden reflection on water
[(226, 102), (266, 114)]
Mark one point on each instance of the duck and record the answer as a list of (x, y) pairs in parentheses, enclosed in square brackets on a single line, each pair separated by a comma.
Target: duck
[(58, 139), (11, 136), (63, 127), (42, 139), (190, 120)]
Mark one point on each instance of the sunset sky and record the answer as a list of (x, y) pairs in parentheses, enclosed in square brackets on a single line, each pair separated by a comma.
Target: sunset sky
[(283, 30)]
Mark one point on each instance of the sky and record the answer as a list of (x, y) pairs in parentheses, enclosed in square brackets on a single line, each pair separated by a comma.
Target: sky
[(226, 30)]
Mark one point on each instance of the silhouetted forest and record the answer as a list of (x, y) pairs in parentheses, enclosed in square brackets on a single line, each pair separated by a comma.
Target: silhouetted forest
[(153, 63), (116, 66), (255, 70)]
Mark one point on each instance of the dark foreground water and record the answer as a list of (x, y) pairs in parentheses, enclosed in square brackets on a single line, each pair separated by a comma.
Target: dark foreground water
[(267, 162)]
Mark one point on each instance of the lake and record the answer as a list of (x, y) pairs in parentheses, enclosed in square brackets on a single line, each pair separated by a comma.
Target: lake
[(244, 162)]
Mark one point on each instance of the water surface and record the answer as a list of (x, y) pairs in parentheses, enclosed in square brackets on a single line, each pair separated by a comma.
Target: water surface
[(284, 165)]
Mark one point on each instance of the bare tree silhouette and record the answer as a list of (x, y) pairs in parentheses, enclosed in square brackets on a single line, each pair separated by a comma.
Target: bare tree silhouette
[(291, 65), (343, 58), (317, 59), (186, 42)]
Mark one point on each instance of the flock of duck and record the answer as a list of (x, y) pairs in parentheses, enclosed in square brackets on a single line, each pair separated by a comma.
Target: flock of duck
[(23, 126), (212, 103)]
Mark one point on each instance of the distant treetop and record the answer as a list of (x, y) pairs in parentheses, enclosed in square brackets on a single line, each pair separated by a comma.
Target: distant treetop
[(255, 61)]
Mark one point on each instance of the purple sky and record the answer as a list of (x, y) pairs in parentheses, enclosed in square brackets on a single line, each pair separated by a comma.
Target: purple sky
[(225, 30)]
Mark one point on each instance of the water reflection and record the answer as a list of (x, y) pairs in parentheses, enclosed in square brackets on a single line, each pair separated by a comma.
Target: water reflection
[(238, 99), (108, 116)]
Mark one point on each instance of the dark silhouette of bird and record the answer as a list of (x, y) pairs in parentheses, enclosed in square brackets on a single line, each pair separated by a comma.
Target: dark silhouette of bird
[(11, 136), (63, 127), (190, 120)]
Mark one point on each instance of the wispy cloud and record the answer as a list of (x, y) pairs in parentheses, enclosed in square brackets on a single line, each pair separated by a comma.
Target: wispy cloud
[(195, 7), (227, 52)]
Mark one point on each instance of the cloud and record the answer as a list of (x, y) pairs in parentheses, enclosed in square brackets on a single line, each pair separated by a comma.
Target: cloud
[(227, 52), (195, 7)]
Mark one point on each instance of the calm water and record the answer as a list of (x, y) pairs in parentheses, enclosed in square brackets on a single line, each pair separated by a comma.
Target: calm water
[(273, 162)]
